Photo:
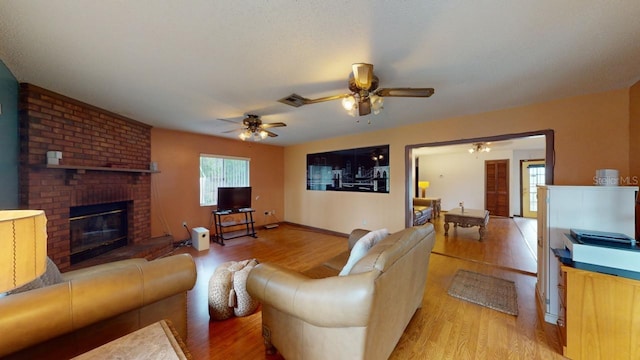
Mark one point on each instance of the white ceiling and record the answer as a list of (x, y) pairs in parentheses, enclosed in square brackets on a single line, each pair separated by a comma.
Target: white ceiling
[(184, 64)]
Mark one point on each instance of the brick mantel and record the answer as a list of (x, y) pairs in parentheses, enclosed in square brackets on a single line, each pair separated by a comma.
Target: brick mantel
[(87, 136)]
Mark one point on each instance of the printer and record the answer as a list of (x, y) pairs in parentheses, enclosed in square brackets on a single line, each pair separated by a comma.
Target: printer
[(611, 250)]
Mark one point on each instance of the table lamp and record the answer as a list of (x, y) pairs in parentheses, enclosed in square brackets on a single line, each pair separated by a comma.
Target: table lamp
[(423, 185), (23, 240)]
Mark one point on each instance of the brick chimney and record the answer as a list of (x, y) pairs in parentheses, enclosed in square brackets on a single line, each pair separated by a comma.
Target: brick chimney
[(105, 158)]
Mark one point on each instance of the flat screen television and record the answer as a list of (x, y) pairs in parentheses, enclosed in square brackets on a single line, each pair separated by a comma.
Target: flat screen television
[(234, 198)]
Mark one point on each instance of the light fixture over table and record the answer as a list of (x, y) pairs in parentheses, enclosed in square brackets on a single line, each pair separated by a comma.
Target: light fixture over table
[(23, 240)]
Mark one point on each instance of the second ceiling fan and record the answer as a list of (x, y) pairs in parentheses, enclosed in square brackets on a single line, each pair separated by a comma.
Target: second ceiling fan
[(253, 128), (365, 95)]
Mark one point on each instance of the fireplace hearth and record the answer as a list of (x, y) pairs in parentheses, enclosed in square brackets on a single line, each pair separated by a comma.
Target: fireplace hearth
[(97, 229)]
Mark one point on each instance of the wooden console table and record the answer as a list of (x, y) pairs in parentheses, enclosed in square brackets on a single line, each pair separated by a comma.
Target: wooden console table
[(156, 341), (222, 227), (468, 218)]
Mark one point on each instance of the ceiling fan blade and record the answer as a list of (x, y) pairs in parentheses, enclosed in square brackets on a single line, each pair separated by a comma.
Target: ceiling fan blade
[(271, 125), (405, 92), (271, 134), (297, 100), (230, 121), (363, 75), (230, 131)]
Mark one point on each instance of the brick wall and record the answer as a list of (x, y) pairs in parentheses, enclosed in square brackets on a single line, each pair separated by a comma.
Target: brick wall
[(90, 137)]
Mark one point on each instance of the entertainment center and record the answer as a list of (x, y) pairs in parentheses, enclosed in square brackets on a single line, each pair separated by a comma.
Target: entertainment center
[(233, 202)]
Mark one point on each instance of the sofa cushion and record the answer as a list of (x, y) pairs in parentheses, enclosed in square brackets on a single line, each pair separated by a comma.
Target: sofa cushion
[(389, 250), (361, 248), (337, 262)]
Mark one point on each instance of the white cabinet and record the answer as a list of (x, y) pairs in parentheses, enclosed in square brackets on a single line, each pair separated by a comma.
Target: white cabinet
[(560, 208)]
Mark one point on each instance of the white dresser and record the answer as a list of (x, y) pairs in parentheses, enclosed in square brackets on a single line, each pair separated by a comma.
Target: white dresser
[(560, 208)]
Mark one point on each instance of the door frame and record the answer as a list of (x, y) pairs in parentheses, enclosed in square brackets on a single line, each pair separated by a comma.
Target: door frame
[(409, 161)]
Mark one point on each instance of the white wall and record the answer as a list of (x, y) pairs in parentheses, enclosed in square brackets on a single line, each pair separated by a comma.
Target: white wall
[(460, 177)]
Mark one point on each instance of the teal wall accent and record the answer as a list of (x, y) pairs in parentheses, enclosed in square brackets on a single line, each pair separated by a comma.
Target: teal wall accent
[(9, 139)]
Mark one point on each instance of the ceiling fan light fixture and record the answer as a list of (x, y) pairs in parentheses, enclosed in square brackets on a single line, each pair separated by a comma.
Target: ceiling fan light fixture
[(362, 75), (349, 102), (364, 97), (376, 104), (479, 147)]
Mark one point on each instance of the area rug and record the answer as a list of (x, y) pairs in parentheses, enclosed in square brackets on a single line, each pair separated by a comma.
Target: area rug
[(489, 291)]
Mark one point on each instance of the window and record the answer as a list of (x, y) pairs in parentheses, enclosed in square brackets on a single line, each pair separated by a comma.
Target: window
[(536, 177), (221, 171)]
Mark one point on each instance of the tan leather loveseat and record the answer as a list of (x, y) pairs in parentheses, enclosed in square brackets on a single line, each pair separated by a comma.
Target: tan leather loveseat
[(95, 305), (320, 315)]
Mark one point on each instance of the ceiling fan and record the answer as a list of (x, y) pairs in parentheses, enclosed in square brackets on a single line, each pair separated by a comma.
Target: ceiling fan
[(254, 129), (364, 96)]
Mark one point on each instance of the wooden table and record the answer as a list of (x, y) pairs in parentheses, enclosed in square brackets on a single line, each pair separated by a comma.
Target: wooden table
[(156, 341), (466, 218), (435, 205)]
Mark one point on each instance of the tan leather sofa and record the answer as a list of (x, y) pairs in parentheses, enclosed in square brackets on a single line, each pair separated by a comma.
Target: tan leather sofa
[(319, 315), (95, 305)]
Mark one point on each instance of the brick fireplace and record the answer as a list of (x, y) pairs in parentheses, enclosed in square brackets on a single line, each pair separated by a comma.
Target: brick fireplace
[(105, 159)]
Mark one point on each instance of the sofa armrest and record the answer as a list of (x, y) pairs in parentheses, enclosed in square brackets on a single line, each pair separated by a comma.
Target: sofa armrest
[(38, 315), (339, 301)]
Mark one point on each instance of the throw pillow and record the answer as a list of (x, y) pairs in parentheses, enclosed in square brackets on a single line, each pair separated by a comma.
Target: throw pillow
[(219, 289), (361, 247), (245, 304), (51, 276)]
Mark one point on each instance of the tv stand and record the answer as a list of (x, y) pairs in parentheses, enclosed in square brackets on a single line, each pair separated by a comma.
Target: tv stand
[(223, 229)]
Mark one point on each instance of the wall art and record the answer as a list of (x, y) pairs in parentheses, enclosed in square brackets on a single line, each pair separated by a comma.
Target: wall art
[(361, 170)]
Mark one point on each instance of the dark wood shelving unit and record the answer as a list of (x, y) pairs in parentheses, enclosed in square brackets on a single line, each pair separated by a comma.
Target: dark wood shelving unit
[(222, 227)]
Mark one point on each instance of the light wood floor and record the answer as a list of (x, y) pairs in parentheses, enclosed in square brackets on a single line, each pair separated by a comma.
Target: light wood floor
[(445, 327)]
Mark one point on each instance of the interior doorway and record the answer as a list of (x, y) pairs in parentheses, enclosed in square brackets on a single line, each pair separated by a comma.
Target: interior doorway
[(533, 174), (411, 178)]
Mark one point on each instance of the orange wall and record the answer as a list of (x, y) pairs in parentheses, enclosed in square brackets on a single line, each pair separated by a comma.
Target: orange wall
[(175, 190), (591, 132)]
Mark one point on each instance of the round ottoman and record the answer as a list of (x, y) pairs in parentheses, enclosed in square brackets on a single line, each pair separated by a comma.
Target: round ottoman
[(228, 294)]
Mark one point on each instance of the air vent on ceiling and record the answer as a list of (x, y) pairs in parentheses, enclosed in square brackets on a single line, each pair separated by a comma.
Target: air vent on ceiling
[(293, 100)]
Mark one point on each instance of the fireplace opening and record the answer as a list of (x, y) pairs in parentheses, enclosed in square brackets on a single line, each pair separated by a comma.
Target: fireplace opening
[(97, 229)]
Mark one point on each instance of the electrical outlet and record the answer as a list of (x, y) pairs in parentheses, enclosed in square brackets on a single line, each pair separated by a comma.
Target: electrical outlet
[(184, 223)]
